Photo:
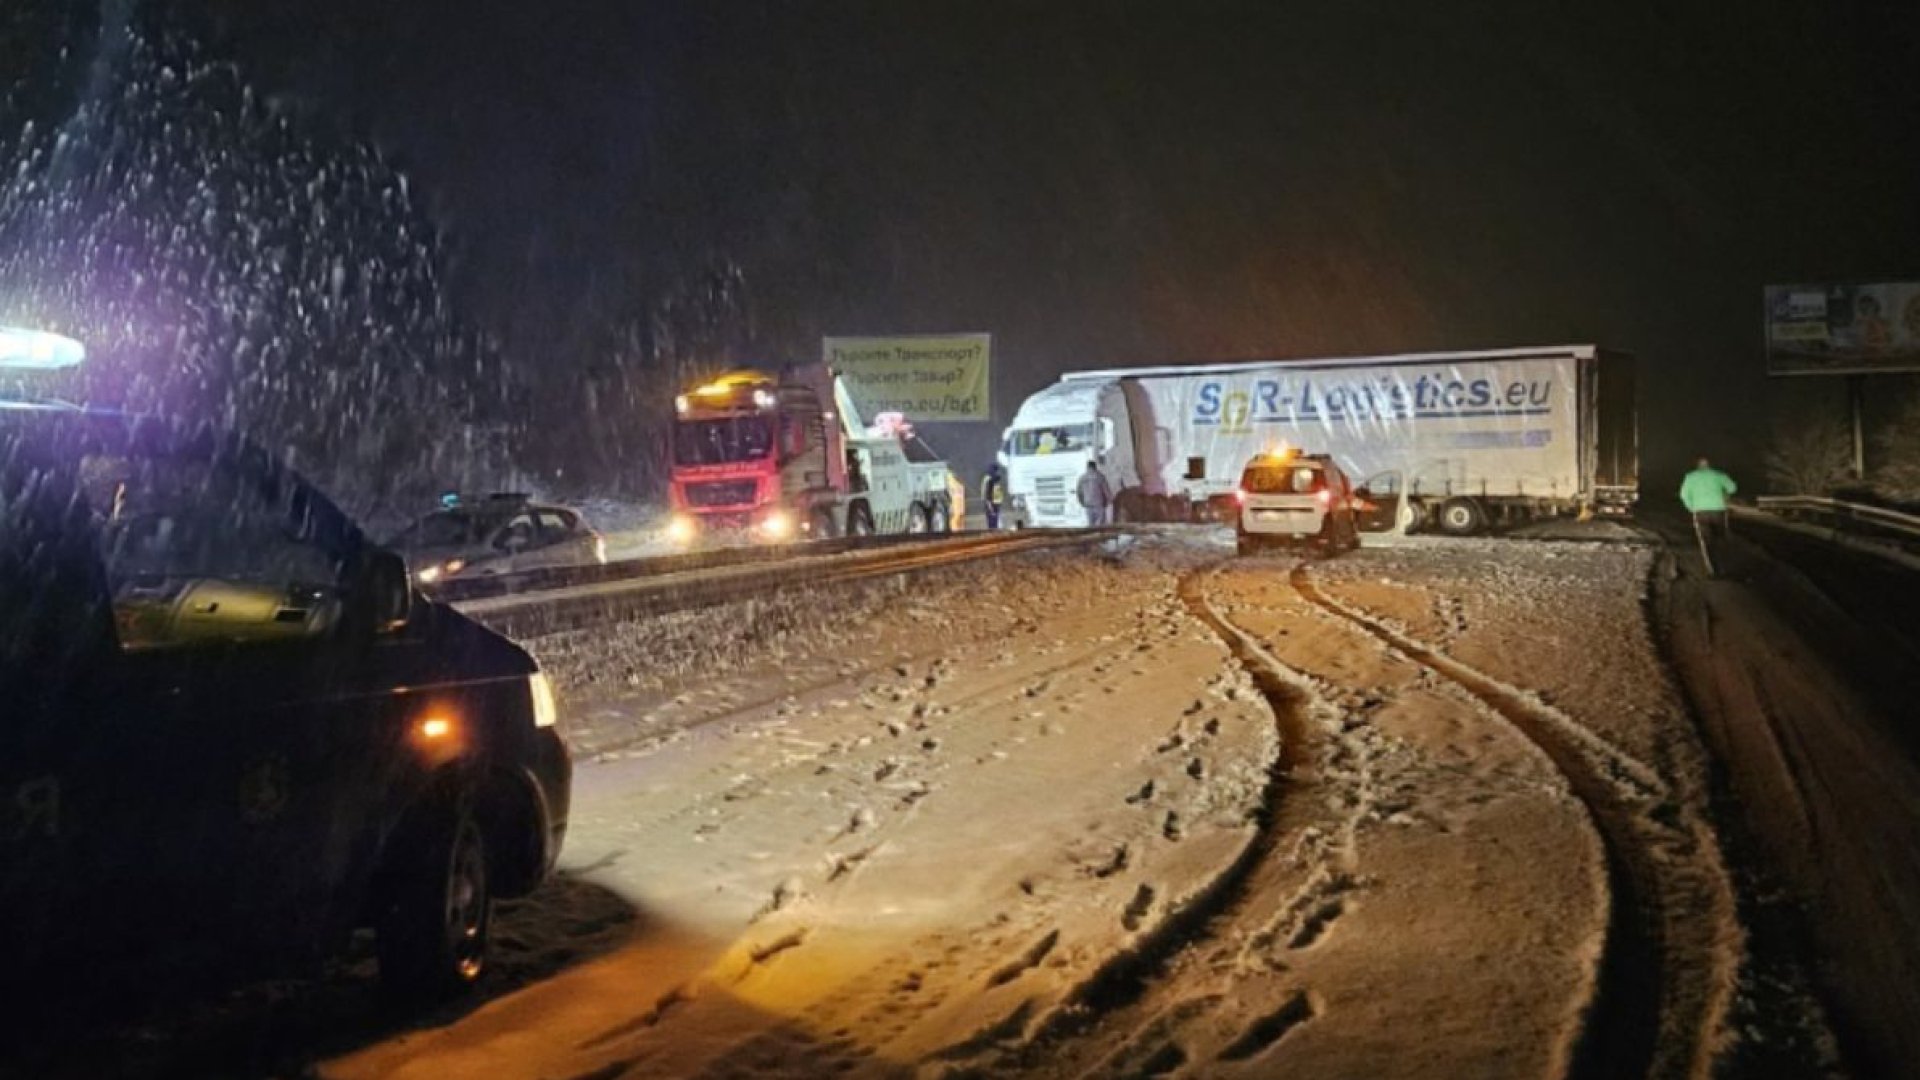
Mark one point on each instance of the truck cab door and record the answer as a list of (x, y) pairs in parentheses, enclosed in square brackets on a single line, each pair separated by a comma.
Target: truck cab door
[(1377, 502)]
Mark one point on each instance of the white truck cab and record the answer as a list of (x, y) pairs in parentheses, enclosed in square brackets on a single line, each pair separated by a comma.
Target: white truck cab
[(1046, 449)]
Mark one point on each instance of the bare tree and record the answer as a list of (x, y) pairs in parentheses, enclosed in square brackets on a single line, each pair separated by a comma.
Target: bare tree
[(1809, 455), (1898, 475)]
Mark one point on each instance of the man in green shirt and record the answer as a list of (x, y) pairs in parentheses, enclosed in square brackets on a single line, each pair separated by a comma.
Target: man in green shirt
[(1704, 493)]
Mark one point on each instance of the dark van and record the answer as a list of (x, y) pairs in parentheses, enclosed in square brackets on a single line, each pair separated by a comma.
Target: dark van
[(231, 733)]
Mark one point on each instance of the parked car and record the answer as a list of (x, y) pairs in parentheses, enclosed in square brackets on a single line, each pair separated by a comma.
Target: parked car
[(1292, 498), (495, 534), (233, 733)]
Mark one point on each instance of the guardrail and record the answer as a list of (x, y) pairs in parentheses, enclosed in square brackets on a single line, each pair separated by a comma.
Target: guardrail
[(561, 577), (586, 604), (1853, 518)]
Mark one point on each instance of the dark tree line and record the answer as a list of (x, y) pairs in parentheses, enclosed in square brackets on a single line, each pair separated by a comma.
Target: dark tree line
[(222, 261)]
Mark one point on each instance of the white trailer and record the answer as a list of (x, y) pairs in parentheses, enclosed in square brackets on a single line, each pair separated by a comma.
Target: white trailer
[(1453, 440)]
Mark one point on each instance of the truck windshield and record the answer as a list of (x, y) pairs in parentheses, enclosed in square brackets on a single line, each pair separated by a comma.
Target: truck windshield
[(716, 442), (1048, 440)]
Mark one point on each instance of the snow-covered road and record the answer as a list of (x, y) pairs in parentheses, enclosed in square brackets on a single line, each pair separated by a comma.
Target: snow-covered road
[(1433, 809), (1436, 808)]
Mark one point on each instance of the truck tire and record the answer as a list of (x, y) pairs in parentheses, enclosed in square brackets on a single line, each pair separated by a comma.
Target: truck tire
[(919, 519), (1462, 517), (1245, 546), (431, 935), (822, 525), (859, 520), (939, 518)]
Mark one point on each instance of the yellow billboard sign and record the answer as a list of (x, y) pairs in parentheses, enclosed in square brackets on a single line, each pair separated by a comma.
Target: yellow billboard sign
[(928, 377)]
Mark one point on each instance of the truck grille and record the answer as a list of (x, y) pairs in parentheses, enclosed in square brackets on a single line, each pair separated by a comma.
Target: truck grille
[(720, 493), (1050, 495)]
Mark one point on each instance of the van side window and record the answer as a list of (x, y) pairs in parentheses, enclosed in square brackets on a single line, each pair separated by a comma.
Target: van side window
[(204, 550)]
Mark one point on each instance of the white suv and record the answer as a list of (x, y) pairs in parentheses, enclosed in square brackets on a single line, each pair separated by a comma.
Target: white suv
[(1289, 498)]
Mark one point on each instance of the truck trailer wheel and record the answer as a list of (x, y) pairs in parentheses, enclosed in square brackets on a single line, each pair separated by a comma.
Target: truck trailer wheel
[(1462, 517)]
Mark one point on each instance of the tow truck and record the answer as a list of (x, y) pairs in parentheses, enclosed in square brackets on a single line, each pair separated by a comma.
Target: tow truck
[(774, 458), (233, 732)]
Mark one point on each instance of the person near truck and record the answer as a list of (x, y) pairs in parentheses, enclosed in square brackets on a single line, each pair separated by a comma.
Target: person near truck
[(993, 494), (1704, 493), (1095, 495)]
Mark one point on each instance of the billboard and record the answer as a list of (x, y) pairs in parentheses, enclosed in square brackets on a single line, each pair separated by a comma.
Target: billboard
[(1843, 329), (929, 377)]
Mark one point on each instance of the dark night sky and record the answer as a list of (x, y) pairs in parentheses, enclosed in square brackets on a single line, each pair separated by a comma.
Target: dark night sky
[(1118, 183)]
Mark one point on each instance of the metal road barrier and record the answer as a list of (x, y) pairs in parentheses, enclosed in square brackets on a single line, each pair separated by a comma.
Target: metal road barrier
[(1855, 519), (460, 589), (657, 586)]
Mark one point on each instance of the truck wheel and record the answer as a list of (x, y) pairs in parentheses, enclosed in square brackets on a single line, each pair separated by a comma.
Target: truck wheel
[(1246, 545), (822, 522), (939, 519), (432, 932), (918, 519), (859, 520), (1461, 517)]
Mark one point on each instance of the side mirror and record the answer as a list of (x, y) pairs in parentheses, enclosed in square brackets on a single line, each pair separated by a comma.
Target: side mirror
[(382, 595)]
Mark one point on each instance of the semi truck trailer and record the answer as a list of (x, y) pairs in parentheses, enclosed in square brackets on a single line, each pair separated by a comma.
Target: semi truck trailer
[(1452, 441)]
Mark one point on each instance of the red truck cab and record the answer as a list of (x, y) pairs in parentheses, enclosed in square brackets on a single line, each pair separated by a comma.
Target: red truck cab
[(757, 456)]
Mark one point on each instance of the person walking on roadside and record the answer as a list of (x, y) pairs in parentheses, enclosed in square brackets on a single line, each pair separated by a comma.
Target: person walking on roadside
[(993, 494), (1704, 493), (1095, 495)]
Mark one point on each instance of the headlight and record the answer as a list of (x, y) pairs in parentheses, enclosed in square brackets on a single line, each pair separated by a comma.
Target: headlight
[(777, 525), (427, 575), (545, 712), (681, 529)]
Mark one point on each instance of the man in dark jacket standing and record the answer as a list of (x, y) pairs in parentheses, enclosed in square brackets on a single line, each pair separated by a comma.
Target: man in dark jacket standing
[(1095, 495)]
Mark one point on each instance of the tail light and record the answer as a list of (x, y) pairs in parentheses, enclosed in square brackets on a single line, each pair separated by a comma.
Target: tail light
[(1240, 496), (1325, 496)]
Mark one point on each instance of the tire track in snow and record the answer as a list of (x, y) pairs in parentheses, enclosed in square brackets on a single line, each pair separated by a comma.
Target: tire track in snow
[(1123, 979), (1644, 1019)]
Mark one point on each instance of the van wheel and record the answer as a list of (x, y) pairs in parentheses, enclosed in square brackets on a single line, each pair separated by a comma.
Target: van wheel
[(859, 521), (432, 932), (1461, 517)]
